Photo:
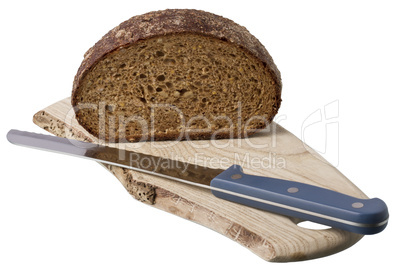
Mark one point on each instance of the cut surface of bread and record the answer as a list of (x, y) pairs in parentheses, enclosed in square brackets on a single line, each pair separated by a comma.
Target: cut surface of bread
[(176, 85)]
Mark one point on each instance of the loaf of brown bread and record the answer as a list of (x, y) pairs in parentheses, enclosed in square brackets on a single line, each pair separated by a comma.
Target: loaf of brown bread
[(176, 74)]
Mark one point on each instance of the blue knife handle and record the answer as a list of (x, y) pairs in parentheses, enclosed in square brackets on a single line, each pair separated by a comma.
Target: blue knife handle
[(304, 201)]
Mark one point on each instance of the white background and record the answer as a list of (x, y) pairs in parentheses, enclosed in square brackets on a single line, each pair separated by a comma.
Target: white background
[(58, 211)]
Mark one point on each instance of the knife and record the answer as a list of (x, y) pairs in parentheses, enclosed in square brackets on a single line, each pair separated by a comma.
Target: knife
[(290, 198)]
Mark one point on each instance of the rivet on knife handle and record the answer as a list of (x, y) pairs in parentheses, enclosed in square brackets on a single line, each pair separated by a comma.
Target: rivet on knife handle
[(308, 202)]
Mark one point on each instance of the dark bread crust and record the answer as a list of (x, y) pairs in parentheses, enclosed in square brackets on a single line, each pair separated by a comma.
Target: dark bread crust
[(176, 21)]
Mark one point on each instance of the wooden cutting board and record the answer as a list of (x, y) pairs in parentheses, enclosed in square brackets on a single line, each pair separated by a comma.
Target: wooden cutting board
[(274, 152)]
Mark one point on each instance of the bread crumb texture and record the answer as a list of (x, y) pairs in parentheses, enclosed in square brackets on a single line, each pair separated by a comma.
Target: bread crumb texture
[(177, 85)]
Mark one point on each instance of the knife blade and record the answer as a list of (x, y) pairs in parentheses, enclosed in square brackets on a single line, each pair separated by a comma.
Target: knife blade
[(290, 198)]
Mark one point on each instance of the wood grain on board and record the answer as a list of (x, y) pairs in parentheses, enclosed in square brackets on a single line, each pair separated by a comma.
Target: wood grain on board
[(274, 152)]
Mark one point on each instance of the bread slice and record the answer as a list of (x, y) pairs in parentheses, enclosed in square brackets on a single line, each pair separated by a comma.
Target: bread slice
[(176, 74)]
